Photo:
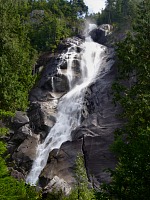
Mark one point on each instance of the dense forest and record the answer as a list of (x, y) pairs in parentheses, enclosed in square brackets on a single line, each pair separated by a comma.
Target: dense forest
[(31, 27), (116, 12), (27, 29)]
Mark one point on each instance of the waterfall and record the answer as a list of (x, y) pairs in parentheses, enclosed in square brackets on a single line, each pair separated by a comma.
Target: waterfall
[(70, 105)]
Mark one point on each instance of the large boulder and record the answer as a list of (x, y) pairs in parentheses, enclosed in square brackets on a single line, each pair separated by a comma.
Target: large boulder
[(18, 137), (41, 117), (62, 164), (20, 119), (26, 152), (100, 33), (58, 83)]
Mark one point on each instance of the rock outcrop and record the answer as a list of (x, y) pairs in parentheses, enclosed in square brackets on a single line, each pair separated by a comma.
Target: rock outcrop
[(99, 34), (92, 139), (61, 164)]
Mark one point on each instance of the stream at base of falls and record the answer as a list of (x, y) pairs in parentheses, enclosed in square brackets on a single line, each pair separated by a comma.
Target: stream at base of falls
[(70, 105)]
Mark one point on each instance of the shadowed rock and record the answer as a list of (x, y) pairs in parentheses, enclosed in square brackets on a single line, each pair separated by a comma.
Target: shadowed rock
[(25, 153), (100, 33), (61, 163), (19, 120)]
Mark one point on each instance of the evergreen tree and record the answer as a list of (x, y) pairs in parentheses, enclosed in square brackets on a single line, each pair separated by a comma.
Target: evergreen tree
[(60, 19), (11, 188), (131, 179), (81, 191), (118, 12), (16, 58)]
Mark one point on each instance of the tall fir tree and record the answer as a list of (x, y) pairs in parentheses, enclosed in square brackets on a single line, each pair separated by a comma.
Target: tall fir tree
[(131, 178)]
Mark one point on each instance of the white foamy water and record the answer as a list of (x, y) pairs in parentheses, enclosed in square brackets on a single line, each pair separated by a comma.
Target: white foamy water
[(70, 105)]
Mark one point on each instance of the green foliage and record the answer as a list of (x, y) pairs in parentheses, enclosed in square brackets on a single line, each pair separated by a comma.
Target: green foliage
[(131, 178), (47, 34), (55, 195), (53, 20), (118, 12), (78, 7), (11, 188), (3, 131), (27, 26), (82, 190), (16, 58)]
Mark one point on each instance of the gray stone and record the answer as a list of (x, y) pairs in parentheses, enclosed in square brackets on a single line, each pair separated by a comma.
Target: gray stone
[(98, 157), (62, 163), (60, 83), (42, 116), (17, 175), (18, 137), (19, 120), (107, 27), (26, 152), (57, 185), (98, 35), (38, 94), (76, 66)]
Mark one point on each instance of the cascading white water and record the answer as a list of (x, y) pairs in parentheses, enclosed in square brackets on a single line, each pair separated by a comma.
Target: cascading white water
[(70, 105)]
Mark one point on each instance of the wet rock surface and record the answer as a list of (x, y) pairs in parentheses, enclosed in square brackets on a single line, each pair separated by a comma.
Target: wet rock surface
[(92, 139)]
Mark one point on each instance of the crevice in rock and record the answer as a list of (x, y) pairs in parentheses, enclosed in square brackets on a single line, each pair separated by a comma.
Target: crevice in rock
[(84, 156)]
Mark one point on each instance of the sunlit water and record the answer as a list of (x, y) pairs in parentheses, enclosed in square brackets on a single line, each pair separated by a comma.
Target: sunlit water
[(70, 105)]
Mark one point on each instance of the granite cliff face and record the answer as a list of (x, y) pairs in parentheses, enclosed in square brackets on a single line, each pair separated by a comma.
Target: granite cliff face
[(92, 138)]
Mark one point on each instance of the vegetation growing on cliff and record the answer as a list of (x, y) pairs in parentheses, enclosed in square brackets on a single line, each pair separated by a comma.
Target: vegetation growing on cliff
[(10, 188), (119, 13), (27, 28), (82, 190), (16, 58), (131, 178), (53, 20)]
